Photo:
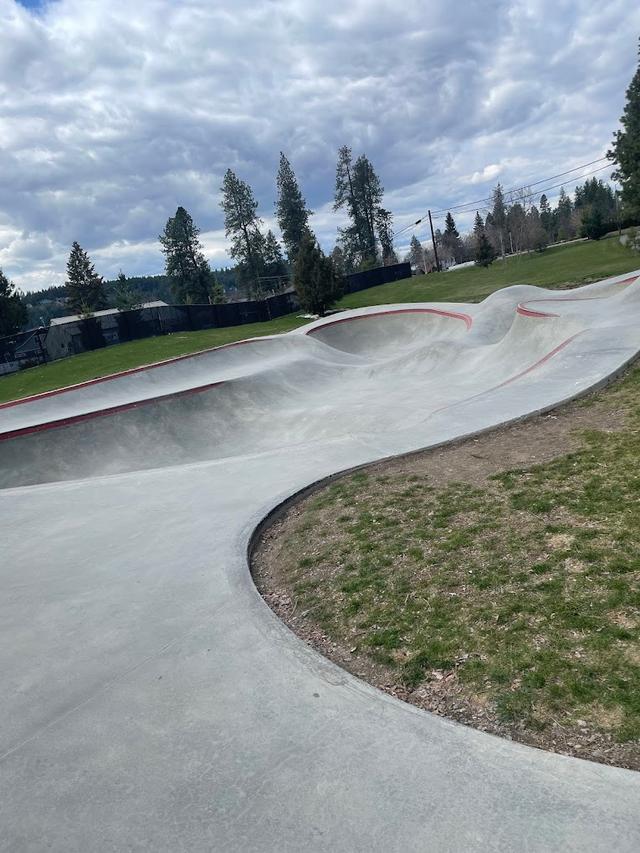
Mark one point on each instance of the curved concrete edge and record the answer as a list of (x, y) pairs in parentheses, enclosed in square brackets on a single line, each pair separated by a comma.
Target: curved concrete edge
[(252, 535), (296, 753), (32, 398)]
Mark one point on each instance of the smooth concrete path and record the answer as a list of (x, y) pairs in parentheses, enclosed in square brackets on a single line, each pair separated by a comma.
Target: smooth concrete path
[(150, 699)]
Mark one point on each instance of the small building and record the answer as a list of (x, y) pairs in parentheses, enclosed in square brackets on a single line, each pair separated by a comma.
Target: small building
[(68, 335)]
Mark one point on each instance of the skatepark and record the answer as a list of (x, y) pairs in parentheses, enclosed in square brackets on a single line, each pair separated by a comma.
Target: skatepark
[(153, 701)]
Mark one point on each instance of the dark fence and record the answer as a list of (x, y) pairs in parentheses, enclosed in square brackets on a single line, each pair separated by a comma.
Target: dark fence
[(76, 336), (63, 339), (24, 349), (165, 319), (379, 275)]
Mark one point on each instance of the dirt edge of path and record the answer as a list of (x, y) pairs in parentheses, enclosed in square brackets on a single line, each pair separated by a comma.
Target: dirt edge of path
[(535, 439)]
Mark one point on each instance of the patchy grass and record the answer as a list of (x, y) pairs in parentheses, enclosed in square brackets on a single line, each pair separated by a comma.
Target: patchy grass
[(563, 266), (511, 602)]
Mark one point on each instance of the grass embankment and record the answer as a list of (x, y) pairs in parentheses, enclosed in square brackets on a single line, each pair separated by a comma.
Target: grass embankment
[(558, 267), (561, 266), (505, 598)]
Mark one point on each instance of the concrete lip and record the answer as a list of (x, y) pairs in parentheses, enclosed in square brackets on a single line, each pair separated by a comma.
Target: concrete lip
[(150, 698)]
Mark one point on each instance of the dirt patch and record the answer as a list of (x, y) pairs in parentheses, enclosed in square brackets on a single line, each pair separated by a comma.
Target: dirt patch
[(333, 568)]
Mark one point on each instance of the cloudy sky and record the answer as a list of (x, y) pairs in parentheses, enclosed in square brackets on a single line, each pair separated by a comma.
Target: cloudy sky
[(114, 112)]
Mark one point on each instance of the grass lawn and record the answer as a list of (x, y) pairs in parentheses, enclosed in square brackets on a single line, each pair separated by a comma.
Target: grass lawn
[(561, 266), (558, 267), (512, 603), (102, 362)]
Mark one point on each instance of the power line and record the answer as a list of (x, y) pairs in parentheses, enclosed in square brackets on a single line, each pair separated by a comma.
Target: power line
[(471, 204), (524, 187), (545, 189)]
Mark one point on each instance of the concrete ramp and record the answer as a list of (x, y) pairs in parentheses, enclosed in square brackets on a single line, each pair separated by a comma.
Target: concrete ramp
[(151, 700)]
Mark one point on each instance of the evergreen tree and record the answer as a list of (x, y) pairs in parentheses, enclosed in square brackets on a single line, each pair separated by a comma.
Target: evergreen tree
[(626, 149), (242, 224), (537, 237), (185, 263), (13, 313), (499, 218), (84, 287), (485, 254), (126, 297), (274, 268), (352, 237), (384, 225), (217, 296), (338, 260), (546, 217), (314, 278), (416, 255), (360, 193), (451, 241), (593, 225), (478, 226), (564, 211), (291, 209)]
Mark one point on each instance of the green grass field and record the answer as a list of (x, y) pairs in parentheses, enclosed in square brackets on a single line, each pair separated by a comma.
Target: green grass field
[(562, 266)]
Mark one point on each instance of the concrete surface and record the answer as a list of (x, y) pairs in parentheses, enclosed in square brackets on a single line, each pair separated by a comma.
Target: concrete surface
[(150, 699)]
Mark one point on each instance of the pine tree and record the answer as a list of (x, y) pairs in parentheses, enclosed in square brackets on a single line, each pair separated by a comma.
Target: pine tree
[(626, 148), (360, 192), (478, 226), (242, 224), (185, 263), (13, 312), (593, 225), (338, 260), (499, 218), (125, 296), (85, 288), (315, 280), (451, 241), (563, 217), (546, 217), (416, 255), (485, 253), (274, 269), (291, 209), (384, 225)]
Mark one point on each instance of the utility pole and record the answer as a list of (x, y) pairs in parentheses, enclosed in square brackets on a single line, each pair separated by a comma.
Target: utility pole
[(433, 240)]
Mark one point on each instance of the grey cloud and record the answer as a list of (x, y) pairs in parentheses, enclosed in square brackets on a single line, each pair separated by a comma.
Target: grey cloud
[(115, 113)]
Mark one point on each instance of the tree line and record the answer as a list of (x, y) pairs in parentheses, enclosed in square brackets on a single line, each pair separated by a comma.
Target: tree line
[(510, 225), (522, 222)]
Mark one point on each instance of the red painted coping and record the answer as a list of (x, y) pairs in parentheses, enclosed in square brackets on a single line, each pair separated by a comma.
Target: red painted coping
[(516, 376), (129, 372), (466, 318), (115, 409), (112, 410), (99, 413), (531, 312)]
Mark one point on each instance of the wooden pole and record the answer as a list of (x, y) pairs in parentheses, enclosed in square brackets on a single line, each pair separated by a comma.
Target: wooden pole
[(433, 240)]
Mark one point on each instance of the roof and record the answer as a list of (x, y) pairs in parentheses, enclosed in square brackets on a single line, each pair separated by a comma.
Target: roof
[(73, 318)]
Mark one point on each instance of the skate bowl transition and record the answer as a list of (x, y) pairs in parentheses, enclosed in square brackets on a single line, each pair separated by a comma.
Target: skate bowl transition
[(151, 700)]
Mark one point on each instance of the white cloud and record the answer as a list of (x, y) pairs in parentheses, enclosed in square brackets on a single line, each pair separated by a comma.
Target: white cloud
[(487, 174), (114, 113)]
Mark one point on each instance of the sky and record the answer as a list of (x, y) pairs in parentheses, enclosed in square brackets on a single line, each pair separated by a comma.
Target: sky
[(113, 113)]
